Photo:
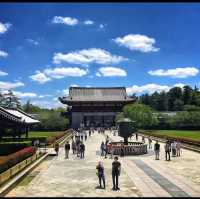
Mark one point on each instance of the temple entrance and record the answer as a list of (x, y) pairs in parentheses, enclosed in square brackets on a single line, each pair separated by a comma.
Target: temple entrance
[(99, 120)]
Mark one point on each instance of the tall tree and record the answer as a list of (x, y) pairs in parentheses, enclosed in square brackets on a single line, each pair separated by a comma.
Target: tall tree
[(187, 94)]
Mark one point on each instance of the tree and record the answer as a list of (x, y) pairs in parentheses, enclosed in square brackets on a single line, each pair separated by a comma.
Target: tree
[(9, 100), (141, 114), (187, 94), (174, 94)]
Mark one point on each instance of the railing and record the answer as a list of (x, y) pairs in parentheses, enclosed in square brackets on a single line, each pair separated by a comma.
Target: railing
[(130, 150)]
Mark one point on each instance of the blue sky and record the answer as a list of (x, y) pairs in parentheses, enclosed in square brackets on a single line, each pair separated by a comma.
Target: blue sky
[(46, 47)]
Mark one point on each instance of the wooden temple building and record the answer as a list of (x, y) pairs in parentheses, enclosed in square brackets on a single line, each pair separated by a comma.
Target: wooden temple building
[(15, 120), (95, 106)]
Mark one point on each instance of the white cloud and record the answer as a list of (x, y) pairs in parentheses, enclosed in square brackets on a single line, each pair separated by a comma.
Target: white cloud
[(40, 77), (74, 85), (65, 20), (111, 71), (3, 73), (65, 72), (3, 53), (24, 95), (176, 73), (65, 92), (48, 104), (10, 85), (102, 26), (4, 27), (150, 88), (88, 22), (86, 56), (137, 42), (36, 43), (43, 96), (179, 85)]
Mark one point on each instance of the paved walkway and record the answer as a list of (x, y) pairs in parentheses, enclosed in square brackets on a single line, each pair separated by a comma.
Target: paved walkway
[(140, 176)]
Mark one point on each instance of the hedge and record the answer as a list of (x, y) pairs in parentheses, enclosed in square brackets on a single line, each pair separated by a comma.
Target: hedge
[(183, 140), (12, 159), (7, 148), (52, 139)]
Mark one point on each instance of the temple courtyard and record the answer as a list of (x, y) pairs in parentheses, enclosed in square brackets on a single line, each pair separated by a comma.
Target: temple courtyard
[(140, 176)]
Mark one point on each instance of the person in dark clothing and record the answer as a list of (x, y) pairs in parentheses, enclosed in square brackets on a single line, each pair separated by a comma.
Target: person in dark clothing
[(89, 132), (136, 136), (67, 148), (116, 169), (157, 150), (82, 150), (56, 147), (73, 146), (100, 174)]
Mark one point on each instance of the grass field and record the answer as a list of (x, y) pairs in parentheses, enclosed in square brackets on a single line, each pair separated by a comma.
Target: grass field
[(195, 135)]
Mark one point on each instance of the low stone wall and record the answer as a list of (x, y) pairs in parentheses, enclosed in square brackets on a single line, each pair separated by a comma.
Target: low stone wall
[(17, 168)]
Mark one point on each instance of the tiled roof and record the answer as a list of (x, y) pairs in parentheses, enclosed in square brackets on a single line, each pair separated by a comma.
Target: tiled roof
[(17, 116), (97, 94)]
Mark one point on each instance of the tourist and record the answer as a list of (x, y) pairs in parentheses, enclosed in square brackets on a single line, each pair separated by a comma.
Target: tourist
[(157, 150), (116, 170), (106, 150), (107, 140), (67, 148), (78, 147), (143, 139), (173, 146), (102, 148), (167, 150), (73, 146), (90, 132), (136, 136), (100, 174), (122, 150), (111, 151), (85, 135), (82, 150), (178, 148), (150, 141), (56, 147)]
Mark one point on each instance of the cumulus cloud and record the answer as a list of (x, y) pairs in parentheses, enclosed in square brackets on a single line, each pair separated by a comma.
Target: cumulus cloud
[(10, 85), (110, 72), (65, 92), (88, 22), (137, 42), (62, 72), (3, 53), (43, 96), (25, 94), (34, 42), (3, 73), (176, 73), (40, 77), (150, 88), (65, 20), (86, 56), (4, 27), (48, 104)]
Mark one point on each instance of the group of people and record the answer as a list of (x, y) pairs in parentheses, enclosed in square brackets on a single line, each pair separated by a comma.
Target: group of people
[(116, 170), (78, 147), (173, 147), (106, 148)]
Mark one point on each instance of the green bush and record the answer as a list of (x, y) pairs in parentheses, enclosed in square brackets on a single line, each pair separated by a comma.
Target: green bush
[(7, 148)]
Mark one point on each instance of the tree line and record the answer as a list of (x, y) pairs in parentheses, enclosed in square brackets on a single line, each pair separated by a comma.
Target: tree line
[(176, 99)]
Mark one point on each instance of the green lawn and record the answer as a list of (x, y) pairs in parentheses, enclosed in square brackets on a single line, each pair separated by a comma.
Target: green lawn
[(42, 133), (179, 133)]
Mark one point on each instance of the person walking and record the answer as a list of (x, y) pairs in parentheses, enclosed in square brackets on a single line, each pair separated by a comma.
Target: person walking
[(67, 148), (167, 150), (56, 148), (136, 136), (73, 146), (85, 135), (106, 150), (90, 132), (143, 139), (173, 146), (116, 170), (102, 148), (100, 174), (82, 150), (150, 141), (178, 148), (157, 150)]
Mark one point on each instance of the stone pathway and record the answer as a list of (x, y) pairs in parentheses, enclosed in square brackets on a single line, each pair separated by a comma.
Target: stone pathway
[(140, 176)]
